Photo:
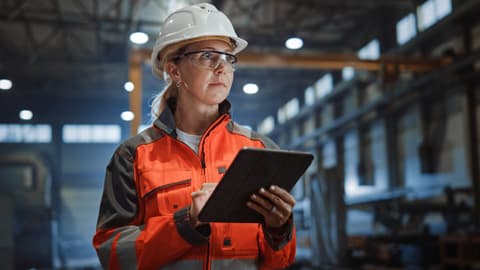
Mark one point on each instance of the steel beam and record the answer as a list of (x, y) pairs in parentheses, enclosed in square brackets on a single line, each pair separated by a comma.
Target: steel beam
[(334, 61), (135, 97), (472, 147), (338, 61), (313, 61), (472, 136)]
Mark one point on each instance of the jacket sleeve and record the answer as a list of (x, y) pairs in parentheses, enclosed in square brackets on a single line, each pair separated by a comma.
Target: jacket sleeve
[(123, 238), (278, 247)]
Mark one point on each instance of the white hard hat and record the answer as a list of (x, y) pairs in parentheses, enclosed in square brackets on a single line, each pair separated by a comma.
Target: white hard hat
[(195, 21)]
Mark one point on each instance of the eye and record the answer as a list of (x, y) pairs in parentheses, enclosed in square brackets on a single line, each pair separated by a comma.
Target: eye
[(231, 59), (206, 55)]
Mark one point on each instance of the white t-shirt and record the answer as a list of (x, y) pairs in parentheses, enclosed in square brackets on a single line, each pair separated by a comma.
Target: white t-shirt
[(191, 140)]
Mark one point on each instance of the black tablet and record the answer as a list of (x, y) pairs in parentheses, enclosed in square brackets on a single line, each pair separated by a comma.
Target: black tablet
[(252, 169)]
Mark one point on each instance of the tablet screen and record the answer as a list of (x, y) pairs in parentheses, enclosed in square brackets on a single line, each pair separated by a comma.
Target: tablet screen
[(252, 169)]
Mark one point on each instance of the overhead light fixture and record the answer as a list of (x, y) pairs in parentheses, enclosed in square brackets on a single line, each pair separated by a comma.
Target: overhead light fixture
[(127, 116), (294, 43), (129, 86), (5, 84), (25, 115), (139, 38), (250, 88)]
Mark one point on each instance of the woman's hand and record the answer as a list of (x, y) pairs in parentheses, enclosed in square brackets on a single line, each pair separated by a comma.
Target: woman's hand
[(199, 198), (275, 205)]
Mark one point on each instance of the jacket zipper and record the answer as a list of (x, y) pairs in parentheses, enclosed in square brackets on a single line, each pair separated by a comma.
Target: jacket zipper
[(201, 153), (207, 262), (202, 142), (201, 150)]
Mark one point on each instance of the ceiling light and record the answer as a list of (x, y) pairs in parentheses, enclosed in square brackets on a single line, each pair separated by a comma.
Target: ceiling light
[(25, 114), (127, 116), (250, 88), (139, 38), (129, 86), (294, 43), (5, 84)]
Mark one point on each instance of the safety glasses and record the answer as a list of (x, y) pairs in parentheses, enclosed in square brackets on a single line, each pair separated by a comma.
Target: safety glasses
[(210, 59)]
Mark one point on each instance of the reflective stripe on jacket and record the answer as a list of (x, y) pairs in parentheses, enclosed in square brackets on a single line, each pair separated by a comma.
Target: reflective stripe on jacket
[(143, 218)]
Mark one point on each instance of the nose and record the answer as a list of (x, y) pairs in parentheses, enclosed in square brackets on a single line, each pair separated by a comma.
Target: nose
[(221, 66)]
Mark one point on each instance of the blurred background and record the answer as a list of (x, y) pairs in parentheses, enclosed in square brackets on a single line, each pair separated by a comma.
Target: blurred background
[(384, 93)]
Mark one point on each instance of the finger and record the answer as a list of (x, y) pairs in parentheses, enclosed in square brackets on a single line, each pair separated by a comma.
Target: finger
[(272, 219), (260, 209), (281, 205), (266, 204), (199, 193), (209, 185), (283, 194), (273, 198)]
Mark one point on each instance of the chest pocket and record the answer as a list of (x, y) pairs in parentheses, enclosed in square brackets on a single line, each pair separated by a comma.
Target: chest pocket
[(165, 192)]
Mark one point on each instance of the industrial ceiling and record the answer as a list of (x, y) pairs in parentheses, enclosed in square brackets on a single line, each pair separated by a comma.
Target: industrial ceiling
[(68, 59)]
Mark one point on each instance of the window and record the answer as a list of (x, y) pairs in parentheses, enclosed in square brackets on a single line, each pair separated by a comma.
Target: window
[(91, 133), (432, 11), (348, 73), (25, 133), (281, 115), (406, 29), (324, 86), (288, 111), (426, 15), (309, 96), (443, 8), (267, 125), (292, 108), (371, 51)]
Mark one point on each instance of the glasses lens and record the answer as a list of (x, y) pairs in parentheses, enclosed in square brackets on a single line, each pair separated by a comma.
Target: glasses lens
[(213, 59)]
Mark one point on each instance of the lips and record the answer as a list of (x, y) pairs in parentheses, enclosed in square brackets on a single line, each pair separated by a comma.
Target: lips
[(217, 84)]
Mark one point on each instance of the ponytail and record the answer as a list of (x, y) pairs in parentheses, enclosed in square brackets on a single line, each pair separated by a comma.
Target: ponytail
[(159, 102)]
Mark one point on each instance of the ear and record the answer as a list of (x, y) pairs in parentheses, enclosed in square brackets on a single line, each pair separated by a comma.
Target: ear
[(173, 71)]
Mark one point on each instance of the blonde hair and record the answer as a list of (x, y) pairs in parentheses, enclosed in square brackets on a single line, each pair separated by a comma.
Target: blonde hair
[(159, 102)]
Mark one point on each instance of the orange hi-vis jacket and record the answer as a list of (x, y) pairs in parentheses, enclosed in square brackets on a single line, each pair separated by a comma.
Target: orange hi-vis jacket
[(143, 220)]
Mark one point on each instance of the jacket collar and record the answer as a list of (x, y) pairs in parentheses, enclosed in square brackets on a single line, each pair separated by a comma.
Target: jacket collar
[(166, 120)]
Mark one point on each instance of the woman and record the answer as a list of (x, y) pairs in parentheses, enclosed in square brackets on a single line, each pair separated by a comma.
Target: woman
[(158, 181)]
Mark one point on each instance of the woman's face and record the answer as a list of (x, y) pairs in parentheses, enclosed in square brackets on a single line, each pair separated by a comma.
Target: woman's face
[(205, 84)]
